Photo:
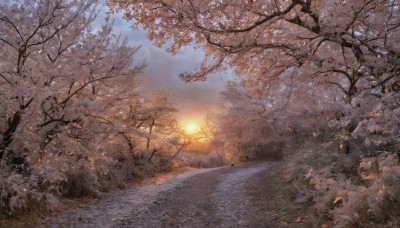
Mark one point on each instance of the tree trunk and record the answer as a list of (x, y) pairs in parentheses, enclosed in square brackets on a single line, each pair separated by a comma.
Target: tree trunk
[(152, 154), (8, 136), (183, 146), (130, 144), (149, 138)]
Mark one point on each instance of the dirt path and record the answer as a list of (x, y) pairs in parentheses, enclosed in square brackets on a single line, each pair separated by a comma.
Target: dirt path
[(237, 196)]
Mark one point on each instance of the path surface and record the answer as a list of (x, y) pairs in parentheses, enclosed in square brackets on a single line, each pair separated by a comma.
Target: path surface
[(220, 197)]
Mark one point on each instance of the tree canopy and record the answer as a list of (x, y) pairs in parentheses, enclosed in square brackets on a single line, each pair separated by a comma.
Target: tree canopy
[(349, 44)]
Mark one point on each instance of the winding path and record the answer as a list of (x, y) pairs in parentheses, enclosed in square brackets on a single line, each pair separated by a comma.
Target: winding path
[(218, 197)]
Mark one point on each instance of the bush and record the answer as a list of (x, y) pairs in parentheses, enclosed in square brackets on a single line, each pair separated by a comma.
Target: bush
[(19, 194), (348, 190), (262, 151)]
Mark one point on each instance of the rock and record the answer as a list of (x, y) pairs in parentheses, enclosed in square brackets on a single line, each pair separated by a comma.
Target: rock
[(344, 147)]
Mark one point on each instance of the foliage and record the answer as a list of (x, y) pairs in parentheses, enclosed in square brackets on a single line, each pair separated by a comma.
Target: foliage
[(358, 188), (262, 126), (311, 73), (74, 115), (349, 202), (346, 44)]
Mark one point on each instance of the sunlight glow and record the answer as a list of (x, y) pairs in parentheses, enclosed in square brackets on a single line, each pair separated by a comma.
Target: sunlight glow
[(191, 128)]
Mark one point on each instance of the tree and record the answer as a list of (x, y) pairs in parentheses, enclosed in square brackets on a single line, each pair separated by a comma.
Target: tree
[(35, 37), (255, 126), (344, 49), (159, 123), (73, 110), (302, 53), (349, 44)]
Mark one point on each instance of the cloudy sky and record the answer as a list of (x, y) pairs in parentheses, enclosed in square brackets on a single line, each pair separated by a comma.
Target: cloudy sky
[(193, 100)]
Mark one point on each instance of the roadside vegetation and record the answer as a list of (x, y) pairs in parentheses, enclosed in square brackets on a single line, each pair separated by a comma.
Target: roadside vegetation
[(317, 85), (76, 118)]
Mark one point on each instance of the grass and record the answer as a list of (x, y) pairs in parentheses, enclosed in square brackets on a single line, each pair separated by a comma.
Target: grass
[(28, 219), (289, 210)]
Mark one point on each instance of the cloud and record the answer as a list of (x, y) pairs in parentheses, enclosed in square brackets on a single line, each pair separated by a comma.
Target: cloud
[(192, 99)]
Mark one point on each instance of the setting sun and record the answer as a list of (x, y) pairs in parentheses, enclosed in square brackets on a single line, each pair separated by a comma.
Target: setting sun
[(191, 128)]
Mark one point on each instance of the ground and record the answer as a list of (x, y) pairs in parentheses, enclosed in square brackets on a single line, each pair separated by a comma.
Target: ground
[(248, 195)]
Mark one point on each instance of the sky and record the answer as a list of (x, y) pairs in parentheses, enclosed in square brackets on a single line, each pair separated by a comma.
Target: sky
[(193, 100)]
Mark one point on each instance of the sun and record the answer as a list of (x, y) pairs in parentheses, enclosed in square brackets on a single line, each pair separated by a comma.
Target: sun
[(191, 128)]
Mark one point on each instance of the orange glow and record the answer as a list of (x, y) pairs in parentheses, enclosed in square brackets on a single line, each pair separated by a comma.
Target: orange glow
[(191, 128)]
